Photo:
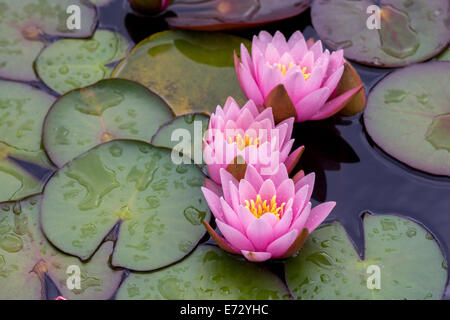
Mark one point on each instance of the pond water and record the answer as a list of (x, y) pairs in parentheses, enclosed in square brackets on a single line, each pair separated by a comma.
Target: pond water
[(350, 169)]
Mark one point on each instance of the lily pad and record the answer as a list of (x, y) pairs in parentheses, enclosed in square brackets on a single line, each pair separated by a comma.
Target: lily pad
[(158, 205), (74, 63), (110, 109), (192, 71), (214, 15), (402, 255), (408, 116), (22, 112), (26, 256), (208, 273), (193, 125), (444, 56), (411, 31), (24, 26)]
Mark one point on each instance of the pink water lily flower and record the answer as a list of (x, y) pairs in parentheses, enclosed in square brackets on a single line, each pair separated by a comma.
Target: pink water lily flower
[(244, 134), (263, 218), (309, 74)]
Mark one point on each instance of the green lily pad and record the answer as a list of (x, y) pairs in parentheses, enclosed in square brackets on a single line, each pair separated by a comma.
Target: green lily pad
[(74, 63), (195, 125), (192, 71), (26, 255), (408, 116), (410, 31), (208, 273), (409, 261), (110, 109), (22, 112), (24, 25), (159, 205), (444, 56)]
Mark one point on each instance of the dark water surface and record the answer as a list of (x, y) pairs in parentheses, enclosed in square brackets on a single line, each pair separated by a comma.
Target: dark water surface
[(350, 169)]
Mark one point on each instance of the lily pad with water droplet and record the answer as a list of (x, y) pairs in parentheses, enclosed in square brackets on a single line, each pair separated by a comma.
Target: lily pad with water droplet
[(26, 257), (402, 261), (208, 273), (110, 109), (214, 15), (192, 71), (184, 134), (408, 116), (22, 112), (74, 63), (410, 31), (25, 24), (159, 205)]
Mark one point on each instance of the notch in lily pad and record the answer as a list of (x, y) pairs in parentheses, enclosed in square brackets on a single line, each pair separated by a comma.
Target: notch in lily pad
[(328, 267), (74, 63), (28, 261), (26, 24), (24, 166), (107, 110), (207, 273), (156, 205)]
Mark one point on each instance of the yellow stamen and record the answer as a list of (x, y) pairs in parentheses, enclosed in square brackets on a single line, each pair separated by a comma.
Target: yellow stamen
[(284, 69), (258, 208), (243, 142)]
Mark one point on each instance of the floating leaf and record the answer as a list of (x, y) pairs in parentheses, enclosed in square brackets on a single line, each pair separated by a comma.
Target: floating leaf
[(214, 15), (159, 205), (100, 3), (411, 31), (110, 109), (192, 71), (444, 56), (22, 112), (24, 25), (74, 63), (408, 116), (192, 126), (26, 255), (208, 273), (410, 262)]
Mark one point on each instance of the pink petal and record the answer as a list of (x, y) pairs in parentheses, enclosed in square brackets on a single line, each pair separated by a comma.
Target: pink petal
[(300, 221), (250, 106), (230, 216), (214, 187), (283, 225), (295, 37), (291, 161), (234, 237), (317, 49), (260, 233), (279, 41), (279, 246), (267, 190), (280, 175), (334, 79), (318, 214), (307, 180), (214, 203), (249, 86), (301, 198), (256, 256), (246, 191), (252, 176), (270, 219), (334, 106), (245, 216), (309, 105), (225, 178), (285, 191), (272, 55)]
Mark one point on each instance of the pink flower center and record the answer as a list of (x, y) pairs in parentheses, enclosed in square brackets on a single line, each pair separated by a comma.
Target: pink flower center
[(285, 68), (243, 142), (259, 208)]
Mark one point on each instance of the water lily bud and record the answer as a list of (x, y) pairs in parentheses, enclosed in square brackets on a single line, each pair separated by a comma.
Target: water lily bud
[(149, 6)]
